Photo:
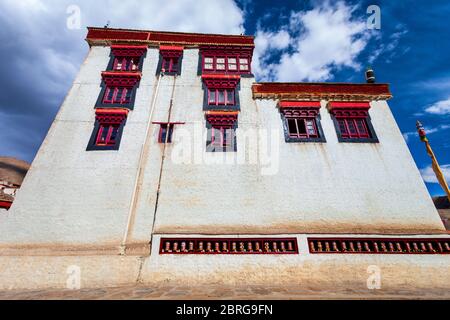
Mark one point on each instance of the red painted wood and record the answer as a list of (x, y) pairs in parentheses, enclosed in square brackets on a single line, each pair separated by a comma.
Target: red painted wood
[(299, 104), (211, 249), (127, 35), (379, 245), (5, 205)]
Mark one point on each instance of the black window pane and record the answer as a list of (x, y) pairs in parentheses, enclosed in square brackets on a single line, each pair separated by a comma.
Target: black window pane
[(119, 95), (162, 137), (361, 126), (292, 127), (114, 132), (342, 127), (128, 96), (221, 97), (230, 97), (351, 127), (301, 126)]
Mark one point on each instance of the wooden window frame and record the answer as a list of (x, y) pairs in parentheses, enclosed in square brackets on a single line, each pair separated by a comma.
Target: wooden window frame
[(346, 113), (107, 119), (301, 111)]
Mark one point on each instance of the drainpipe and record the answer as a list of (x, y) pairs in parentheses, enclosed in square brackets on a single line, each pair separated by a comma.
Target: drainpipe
[(140, 171), (169, 118)]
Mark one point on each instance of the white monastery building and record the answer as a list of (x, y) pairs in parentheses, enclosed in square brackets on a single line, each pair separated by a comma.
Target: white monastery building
[(169, 163)]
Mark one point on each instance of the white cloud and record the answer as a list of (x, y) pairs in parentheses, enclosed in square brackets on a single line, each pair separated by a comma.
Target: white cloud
[(322, 39), (264, 42), (429, 176), (441, 107)]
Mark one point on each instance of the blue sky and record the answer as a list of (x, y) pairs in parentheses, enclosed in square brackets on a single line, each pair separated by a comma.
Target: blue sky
[(296, 41)]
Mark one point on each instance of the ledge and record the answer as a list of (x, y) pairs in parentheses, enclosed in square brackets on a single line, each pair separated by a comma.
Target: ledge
[(321, 91), (108, 36)]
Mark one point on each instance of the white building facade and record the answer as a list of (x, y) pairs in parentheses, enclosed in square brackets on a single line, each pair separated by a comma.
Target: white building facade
[(168, 163)]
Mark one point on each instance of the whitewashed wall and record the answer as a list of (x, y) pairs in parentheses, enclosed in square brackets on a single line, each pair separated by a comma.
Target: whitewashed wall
[(74, 197)]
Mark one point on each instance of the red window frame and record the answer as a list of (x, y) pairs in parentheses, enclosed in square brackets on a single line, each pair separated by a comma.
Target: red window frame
[(226, 69), (352, 120), (125, 54), (229, 98), (110, 122), (169, 64), (107, 134), (353, 128), (301, 119), (302, 122), (222, 132), (117, 95), (126, 63), (165, 132), (222, 136)]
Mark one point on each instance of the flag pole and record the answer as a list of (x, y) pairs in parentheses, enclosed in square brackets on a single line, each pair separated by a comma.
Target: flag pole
[(435, 165)]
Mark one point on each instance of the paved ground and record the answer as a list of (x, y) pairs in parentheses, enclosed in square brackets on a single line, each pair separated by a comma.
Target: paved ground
[(210, 293)]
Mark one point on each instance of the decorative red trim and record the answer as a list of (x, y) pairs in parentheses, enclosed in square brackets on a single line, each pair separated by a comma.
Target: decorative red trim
[(305, 112), (277, 246), (171, 48), (350, 113), (334, 104), (5, 205), (127, 35), (221, 118), (299, 104), (221, 81), (121, 79), (379, 245), (128, 51), (115, 116), (317, 90)]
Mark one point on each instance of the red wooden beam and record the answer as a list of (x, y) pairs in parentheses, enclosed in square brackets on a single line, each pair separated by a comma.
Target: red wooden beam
[(158, 37)]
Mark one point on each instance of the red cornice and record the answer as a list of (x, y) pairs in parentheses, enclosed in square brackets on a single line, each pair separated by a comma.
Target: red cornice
[(109, 36), (111, 111), (299, 104), (5, 204), (319, 91), (221, 81), (171, 48), (346, 105), (120, 78)]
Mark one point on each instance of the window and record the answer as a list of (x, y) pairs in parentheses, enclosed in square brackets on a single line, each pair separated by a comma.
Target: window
[(171, 57), (352, 121), (243, 64), (126, 63), (225, 64), (209, 63), (165, 133), (353, 128), (117, 95), (221, 92), (108, 129), (222, 137), (170, 65), (119, 89), (221, 131), (220, 64), (302, 128), (302, 121), (107, 134), (127, 58), (232, 64), (221, 97)]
